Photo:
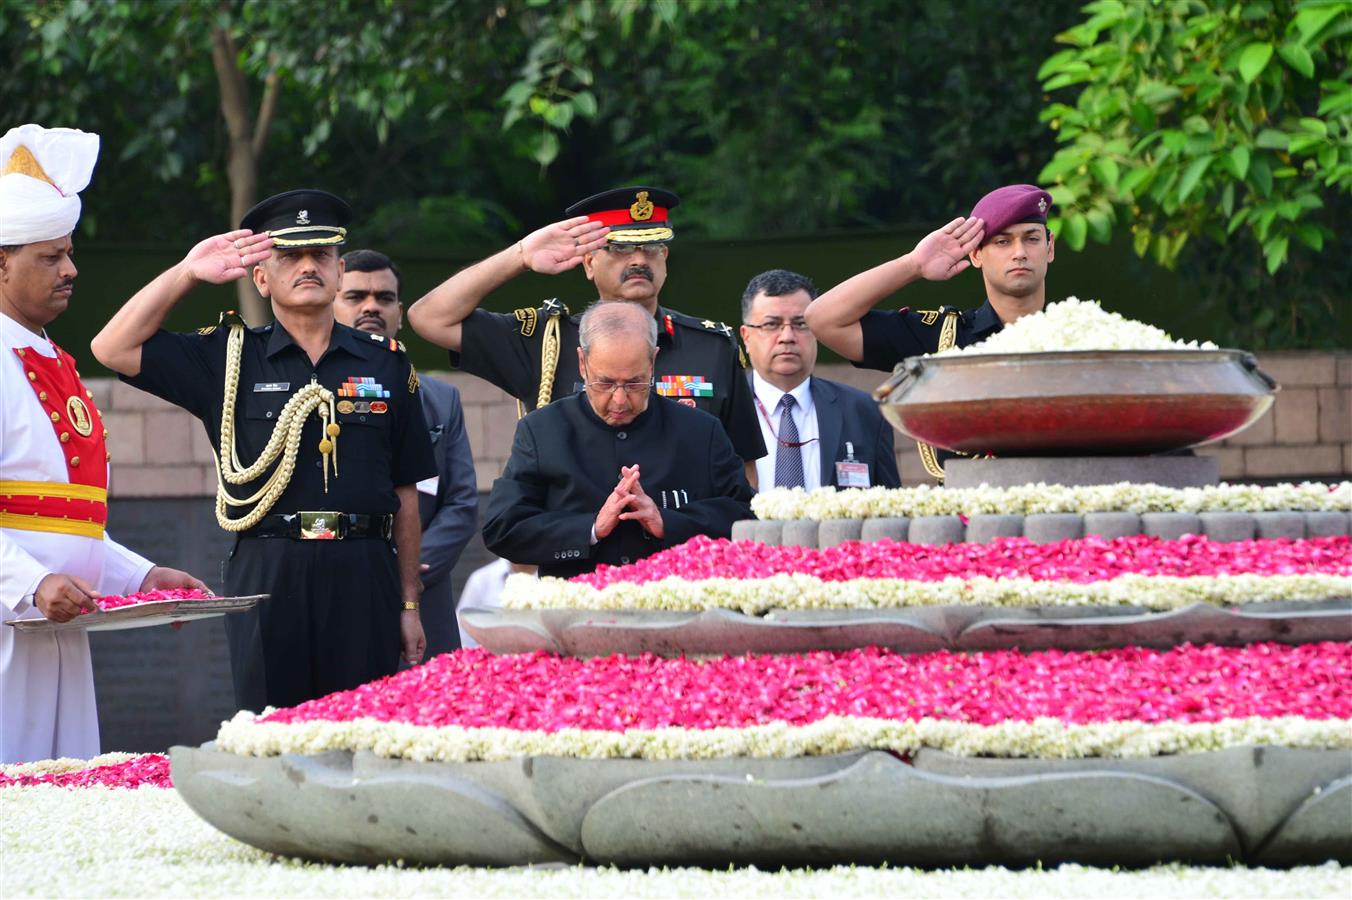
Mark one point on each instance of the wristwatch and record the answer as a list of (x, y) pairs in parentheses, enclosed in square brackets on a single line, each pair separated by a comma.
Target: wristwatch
[(410, 605)]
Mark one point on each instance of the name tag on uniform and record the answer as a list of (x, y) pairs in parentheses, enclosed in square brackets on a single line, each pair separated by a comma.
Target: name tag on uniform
[(852, 474), (271, 387)]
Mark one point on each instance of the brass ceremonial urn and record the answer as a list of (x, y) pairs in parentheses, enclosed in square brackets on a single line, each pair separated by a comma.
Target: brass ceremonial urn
[(1077, 402)]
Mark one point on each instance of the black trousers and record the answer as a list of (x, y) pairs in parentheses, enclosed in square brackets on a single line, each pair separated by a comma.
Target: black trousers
[(331, 623)]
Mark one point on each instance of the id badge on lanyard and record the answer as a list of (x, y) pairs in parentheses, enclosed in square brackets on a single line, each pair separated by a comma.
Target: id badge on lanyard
[(850, 473)]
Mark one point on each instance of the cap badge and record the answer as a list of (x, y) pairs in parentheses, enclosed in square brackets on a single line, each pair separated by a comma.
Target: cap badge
[(1042, 205), (303, 217), (642, 210)]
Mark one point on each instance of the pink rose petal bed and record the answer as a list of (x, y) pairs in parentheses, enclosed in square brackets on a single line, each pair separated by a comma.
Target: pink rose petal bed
[(1080, 560), (472, 705), (145, 770), (542, 692)]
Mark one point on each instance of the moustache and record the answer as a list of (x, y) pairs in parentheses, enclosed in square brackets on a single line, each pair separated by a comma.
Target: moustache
[(66, 283), (314, 279), (372, 317), (644, 271)]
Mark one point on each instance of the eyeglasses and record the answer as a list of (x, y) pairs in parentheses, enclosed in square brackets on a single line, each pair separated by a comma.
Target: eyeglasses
[(610, 387), (631, 249), (774, 326)]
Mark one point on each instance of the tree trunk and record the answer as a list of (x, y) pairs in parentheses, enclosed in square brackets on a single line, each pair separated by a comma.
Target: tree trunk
[(242, 173), (247, 140)]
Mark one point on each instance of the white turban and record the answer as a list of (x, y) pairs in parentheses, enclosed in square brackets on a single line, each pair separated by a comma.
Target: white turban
[(42, 171)]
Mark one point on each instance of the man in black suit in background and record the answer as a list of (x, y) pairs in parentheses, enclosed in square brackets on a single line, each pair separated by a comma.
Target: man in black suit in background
[(448, 503), (818, 432)]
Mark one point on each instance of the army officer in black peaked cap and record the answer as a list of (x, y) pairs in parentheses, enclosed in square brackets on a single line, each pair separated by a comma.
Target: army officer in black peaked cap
[(320, 441), (621, 238)]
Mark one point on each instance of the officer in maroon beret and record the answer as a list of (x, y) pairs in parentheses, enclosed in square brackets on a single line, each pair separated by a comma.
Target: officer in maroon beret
[(1005, 236)]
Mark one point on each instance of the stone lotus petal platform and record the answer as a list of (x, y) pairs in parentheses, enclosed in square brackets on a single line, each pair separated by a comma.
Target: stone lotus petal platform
[(912, 630), (1259, 805)]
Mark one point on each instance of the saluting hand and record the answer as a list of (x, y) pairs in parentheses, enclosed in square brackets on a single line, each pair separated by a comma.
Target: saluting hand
[(943, 253), (559, 247), (227, 257)]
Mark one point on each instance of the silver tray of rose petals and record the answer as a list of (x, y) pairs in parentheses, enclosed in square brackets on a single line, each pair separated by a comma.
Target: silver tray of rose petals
[(587, 633), (144, 615)]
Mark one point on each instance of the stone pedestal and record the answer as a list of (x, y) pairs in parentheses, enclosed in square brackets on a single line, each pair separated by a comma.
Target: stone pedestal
[(1169, 471)]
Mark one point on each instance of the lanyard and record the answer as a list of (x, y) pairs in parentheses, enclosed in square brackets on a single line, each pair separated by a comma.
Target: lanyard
[(768, 424)]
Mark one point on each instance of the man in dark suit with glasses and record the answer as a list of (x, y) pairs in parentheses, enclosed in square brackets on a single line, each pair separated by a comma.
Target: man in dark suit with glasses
[(820, 433)]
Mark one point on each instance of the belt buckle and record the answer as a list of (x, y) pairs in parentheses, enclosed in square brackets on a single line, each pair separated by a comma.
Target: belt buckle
[(322, 525)]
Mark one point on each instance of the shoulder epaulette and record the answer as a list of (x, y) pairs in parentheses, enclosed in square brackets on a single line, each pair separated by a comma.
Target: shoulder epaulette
[(554, 306), (530, 317), (389, 344), (710, 325), (929, 316)]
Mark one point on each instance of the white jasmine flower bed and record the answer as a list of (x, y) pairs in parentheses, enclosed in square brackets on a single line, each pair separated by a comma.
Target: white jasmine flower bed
[(926, 500), (758, 596), (99, 842), (64, 765), (1075, 324), (1043, 738)]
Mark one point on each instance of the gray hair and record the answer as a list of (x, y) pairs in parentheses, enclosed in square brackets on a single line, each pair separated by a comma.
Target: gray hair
[(606, 319)]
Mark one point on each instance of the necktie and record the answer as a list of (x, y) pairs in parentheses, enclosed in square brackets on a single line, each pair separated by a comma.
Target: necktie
[(788, 460)]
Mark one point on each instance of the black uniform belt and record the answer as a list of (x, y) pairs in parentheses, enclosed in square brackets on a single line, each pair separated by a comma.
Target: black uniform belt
[(323, 526)]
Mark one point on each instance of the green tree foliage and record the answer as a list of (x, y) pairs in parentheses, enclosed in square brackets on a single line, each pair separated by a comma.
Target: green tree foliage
[(1186, 107), (459, 120), (145, 73), (792, 116), (1227, 121)]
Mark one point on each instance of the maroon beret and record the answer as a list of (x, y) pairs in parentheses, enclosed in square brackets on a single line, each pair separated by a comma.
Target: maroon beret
[(1010, 205)]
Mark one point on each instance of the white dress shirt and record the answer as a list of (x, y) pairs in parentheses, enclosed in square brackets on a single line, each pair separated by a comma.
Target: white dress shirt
[(483, 590), (804, 416)]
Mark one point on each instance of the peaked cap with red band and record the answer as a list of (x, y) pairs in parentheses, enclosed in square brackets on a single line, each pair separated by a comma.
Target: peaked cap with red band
[(1011, 205), (635, 215)]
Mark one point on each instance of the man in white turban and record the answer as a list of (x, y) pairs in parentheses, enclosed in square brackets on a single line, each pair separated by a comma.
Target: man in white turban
[(55, 557)]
